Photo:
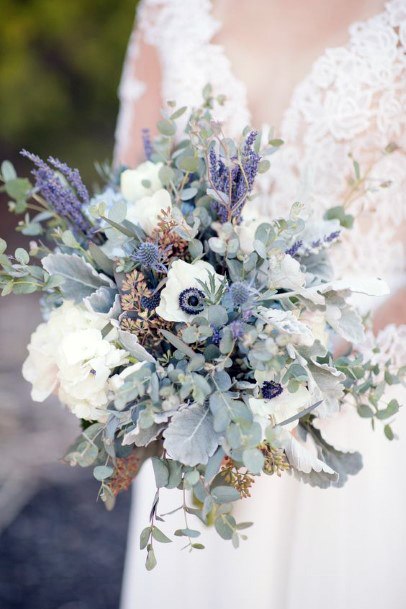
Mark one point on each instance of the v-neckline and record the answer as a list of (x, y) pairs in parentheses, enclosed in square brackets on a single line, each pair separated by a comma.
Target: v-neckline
[(302, 82)]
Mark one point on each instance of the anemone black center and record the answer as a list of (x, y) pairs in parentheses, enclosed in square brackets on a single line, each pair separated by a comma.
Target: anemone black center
[(191, 301)]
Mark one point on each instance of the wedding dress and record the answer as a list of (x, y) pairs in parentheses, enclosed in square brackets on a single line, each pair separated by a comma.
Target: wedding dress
[(309, 548)]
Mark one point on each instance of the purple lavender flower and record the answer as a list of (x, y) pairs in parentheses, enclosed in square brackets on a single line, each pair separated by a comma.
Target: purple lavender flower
[(73, 177), (237, 181), (294, 248), (63, 198), (146, 141), (332, 236), (216, 337)]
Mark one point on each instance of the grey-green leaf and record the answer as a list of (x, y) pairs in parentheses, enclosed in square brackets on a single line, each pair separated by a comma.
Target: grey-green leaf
[(190, 437), (79, 278)]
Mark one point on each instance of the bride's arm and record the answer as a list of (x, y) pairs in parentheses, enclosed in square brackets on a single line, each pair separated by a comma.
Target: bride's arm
[(140, 99), (393, 311)]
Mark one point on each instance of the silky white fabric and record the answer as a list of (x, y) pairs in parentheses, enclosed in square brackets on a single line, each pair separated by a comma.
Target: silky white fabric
[(309, 548)]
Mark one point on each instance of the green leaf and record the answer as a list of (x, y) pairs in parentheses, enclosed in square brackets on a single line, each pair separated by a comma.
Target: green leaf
[(188, 193), (192, 478), (166, 175), (188, 163), (263, 166), (217, 316), (7, 171), (22, 256), (24, 287), (275, 143), (356, 170), (3, 246), (144, 537), (18, 188), (391, 409), (101, 472), (198, 546), (177, 343), (214, 464), (178, 113), (118, 211), (225, 494), (253, 460), (161, 472), (175, 473), (166, 127), (195, 248), (225, 526), (190, 437), (338, 213), (187, 533), (388, 432), (122, 229), (79, 277), (365, 411), (150, 563), (160, 536), (244, 525)]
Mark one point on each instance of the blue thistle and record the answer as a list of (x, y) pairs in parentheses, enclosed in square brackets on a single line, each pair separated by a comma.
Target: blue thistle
[(270, 390), (150, 302), (240, 292), (149, 256)]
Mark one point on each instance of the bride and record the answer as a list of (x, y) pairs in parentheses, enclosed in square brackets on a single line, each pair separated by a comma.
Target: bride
[(331, 78)]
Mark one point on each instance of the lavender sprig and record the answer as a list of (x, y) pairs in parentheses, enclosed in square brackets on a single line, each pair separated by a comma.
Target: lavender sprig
[(61, 197), (236, 183)]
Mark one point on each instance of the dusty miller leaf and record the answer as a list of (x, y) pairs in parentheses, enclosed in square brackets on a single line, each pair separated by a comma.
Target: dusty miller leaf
[(190, 437)]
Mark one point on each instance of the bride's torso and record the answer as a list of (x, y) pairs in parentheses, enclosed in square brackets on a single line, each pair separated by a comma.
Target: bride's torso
[(349, 107)]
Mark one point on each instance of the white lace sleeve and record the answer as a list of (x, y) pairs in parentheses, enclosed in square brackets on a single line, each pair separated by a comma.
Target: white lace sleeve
[(182, 35)]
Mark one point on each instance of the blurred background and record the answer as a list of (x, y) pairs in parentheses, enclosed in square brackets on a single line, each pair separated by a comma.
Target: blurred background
[(60, 65)]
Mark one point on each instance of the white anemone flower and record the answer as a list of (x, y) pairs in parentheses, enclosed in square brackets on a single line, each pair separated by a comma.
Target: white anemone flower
[(182, 296), (280, 408)]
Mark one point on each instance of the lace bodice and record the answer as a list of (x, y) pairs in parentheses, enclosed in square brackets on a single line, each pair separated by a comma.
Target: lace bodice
[(351, 106)]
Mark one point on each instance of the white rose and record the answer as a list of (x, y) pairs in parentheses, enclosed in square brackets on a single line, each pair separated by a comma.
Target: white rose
[(69, 354), (246, 232), (182, 296), (316, 321), (140, 182), (145, 212), (285, 273)]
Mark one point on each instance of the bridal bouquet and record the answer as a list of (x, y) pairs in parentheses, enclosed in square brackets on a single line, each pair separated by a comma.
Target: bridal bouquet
[(178, 329)]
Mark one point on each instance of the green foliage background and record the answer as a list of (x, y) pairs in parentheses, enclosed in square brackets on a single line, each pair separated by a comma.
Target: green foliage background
[(60, 65)]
